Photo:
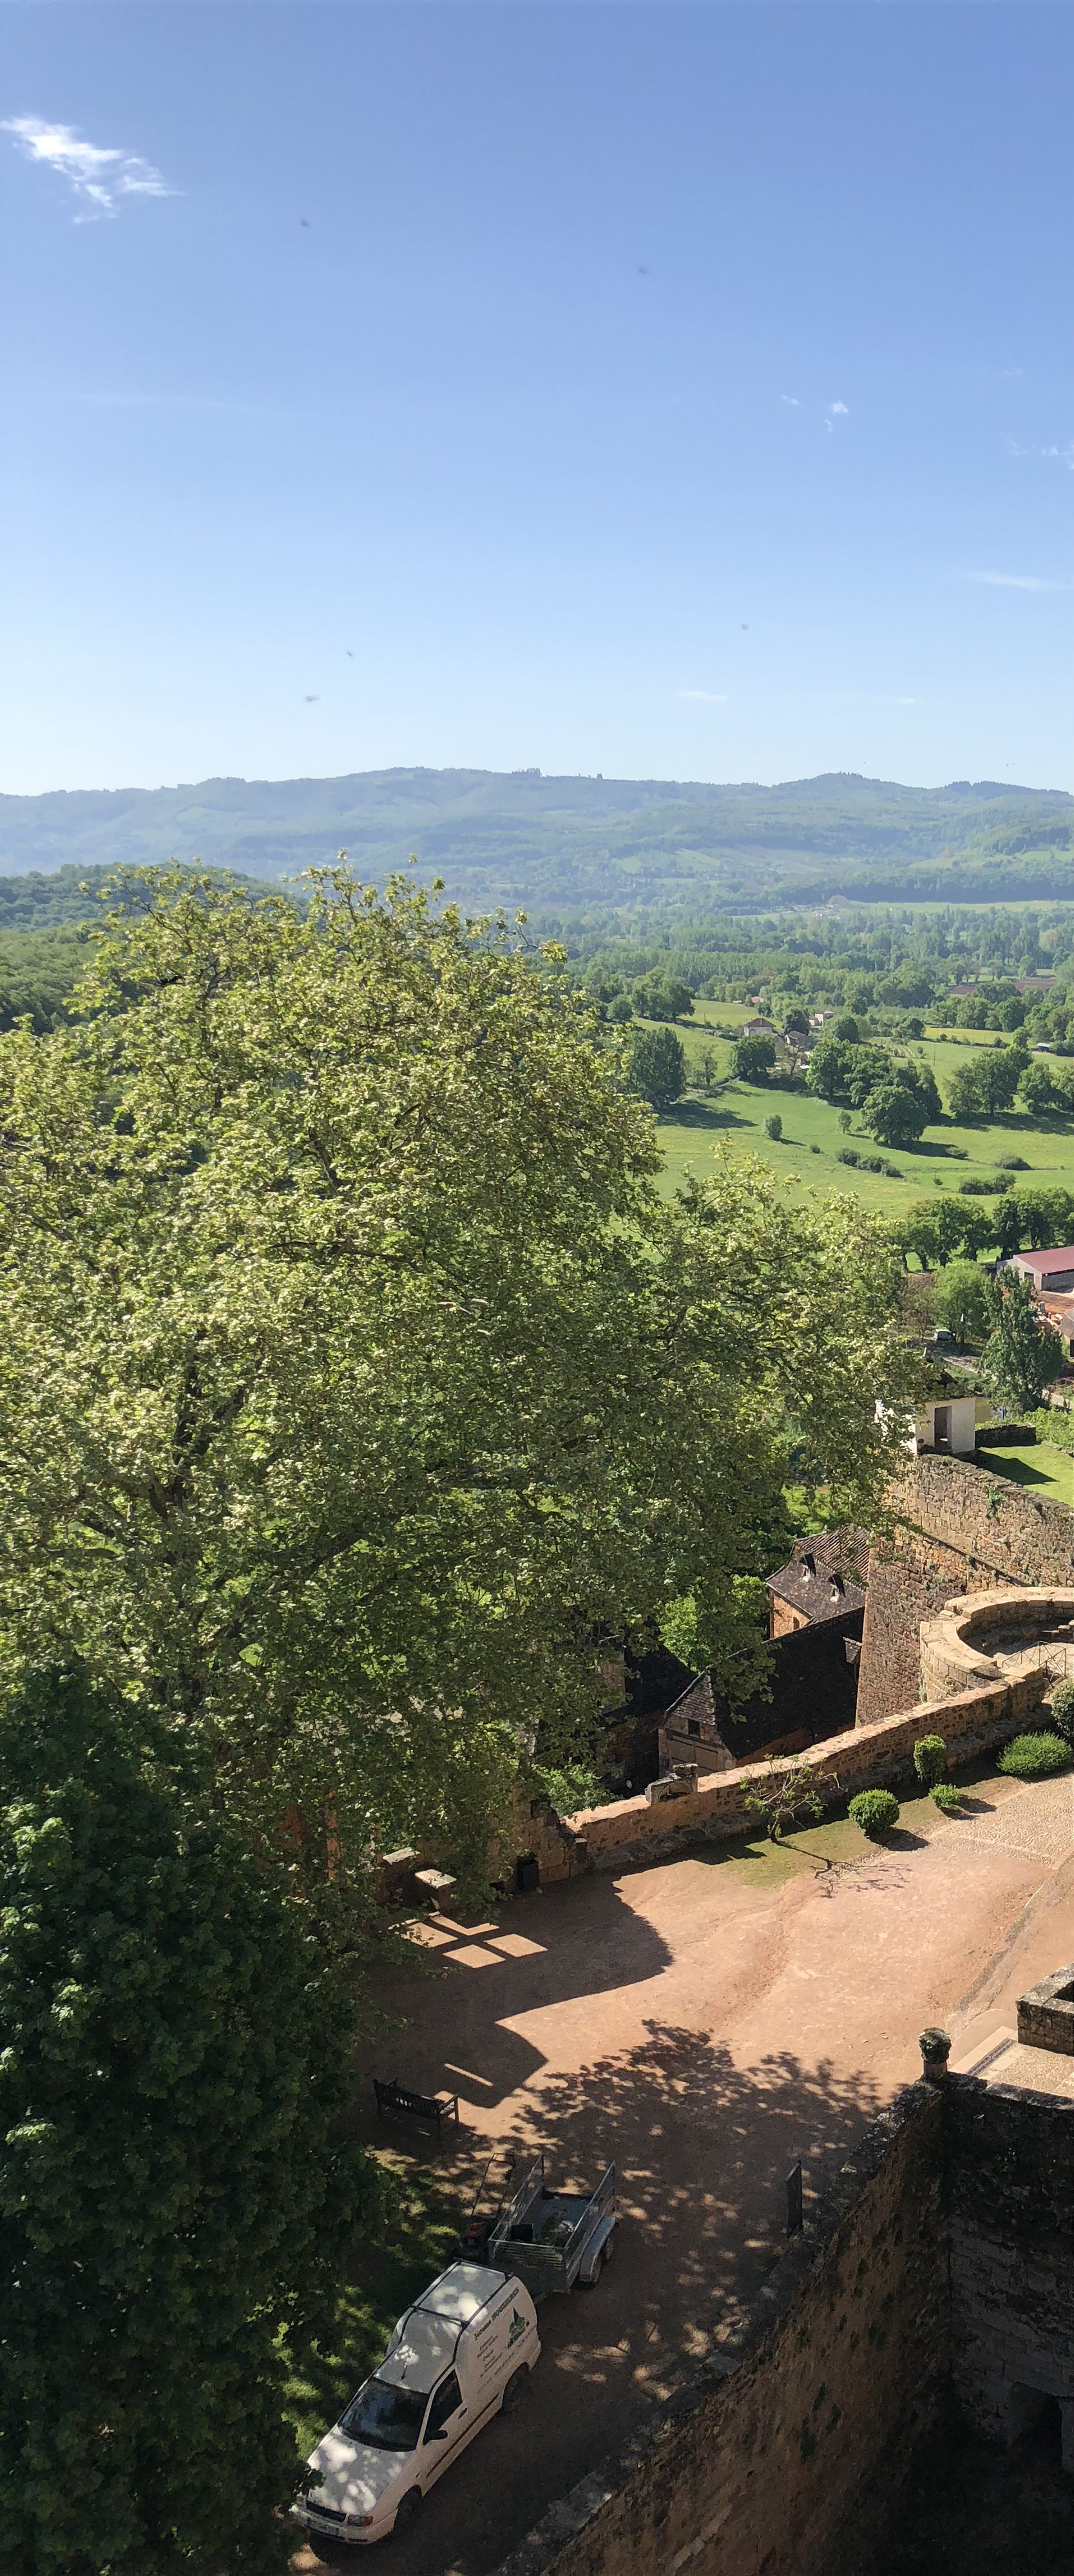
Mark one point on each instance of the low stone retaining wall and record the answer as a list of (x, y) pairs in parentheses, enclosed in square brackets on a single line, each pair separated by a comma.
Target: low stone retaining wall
[(637, 1830)]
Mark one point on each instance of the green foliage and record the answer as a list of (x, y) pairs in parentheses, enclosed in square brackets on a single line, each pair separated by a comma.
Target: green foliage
[(175, 2191), (936, 1229), (786, 1791), (945, 1796), (1063, 1711), (773, 1127), (1022, 1354), (38, 972), (898, 1111), (838, 1070), (930, 1759), (985, 1088), (1039, 1092), (753, 1058), (1035, 1757), (874, 1810), (657, 1066), (1012, 1163), (962, 1301), (723, 1625), (662, 997), (569, 1786), (352, 1372)]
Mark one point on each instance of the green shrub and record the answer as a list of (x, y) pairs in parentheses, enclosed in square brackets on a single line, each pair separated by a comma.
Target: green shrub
[(1012, 1163), (945, 1796), (849, 1154), (773, 1127), (874, 1810), (1063, 1711), (930, 1759), (1035, 1757)]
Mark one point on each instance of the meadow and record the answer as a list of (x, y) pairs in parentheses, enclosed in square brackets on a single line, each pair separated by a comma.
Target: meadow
[(812, 1139)]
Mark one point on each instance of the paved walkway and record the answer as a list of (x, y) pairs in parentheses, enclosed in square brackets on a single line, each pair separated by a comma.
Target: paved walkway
[(704, 2023)]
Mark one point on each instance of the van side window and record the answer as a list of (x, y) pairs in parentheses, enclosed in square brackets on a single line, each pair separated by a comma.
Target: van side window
[(446, 2402)]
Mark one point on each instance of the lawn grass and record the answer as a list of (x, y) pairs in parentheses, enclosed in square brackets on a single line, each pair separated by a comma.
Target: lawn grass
[(807, 1152), (1048, 1470)]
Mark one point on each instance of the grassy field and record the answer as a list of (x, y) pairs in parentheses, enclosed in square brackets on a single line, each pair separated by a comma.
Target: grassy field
[(1047, 1470), (808, 1149)]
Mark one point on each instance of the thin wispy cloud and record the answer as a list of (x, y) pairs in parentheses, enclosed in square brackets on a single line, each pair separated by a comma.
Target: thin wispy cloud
[(1057, 455), (837, 408), (1016, 581), (707, 697), (100, 178), (792, 399)]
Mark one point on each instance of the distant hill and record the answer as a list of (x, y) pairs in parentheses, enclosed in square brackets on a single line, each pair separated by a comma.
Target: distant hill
[(563, 848)]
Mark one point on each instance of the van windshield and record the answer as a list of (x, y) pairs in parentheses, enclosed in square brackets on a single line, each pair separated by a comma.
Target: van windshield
[(388, 2418)]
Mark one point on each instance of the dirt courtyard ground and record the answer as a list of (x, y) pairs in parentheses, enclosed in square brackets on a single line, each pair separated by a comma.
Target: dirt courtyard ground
[(703, 2023)]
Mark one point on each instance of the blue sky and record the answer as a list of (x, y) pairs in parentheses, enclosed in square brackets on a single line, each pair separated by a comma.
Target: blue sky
[(666, 391)]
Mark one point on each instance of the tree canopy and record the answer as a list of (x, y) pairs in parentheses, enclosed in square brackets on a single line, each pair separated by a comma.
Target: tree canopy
[(353, 1375), (173, 2200), (1022, 1354), (657, 1063)]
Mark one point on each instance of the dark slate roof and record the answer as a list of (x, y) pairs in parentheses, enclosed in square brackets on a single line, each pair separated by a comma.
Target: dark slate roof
[(826, 1575), (813, 1685)]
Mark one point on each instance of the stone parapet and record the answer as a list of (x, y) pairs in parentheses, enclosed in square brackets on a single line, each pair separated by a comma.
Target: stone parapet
[(982, 1635)]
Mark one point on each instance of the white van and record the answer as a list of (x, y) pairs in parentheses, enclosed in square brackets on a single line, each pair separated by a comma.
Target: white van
[(462, 2353)]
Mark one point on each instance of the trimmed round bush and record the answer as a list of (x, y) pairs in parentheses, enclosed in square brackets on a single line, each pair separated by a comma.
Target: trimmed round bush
[(1035, 1757), (1063, 1711), (930, 1759), (945, 1796), (874, 1810)]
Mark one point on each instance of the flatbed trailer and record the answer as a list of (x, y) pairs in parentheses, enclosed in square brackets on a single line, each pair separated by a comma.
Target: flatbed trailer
[(554, 2238)]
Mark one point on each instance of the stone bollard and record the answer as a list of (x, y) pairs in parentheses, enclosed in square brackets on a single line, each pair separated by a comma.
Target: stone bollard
[(935, 2049)]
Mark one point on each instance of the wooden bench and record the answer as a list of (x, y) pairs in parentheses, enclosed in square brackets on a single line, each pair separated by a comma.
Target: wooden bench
[(434, 2107)]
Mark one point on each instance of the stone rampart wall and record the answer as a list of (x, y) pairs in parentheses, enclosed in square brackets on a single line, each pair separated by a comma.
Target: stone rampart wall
[(941, 2265), (843, 2359), (956, 1529), (635, 1830), (1011, 2184)]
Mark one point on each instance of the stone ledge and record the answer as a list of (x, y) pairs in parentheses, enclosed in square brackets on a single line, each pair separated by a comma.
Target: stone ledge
[(1046, 2014)]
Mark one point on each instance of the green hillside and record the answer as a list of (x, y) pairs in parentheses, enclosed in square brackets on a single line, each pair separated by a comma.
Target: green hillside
[(566, 847)]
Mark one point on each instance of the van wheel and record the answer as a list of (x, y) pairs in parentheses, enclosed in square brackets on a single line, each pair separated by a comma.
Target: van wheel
[(516, 2388), (409, 2510)]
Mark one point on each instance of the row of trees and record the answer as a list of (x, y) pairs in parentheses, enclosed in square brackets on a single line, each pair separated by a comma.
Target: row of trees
[(355, 1378)]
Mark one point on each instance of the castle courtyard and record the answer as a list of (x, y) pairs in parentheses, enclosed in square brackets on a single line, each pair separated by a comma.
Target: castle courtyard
[(703, 2022)]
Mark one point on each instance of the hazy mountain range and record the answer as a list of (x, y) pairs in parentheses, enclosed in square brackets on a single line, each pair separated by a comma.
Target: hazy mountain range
[(564, 846)]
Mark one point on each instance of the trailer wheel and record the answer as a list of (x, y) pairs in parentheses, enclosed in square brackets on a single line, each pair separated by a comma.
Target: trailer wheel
[(515, 2389)]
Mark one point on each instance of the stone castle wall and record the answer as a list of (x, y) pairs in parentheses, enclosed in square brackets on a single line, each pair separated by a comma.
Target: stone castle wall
[(941, 2266), (955, 1530), (1011, 2191), (759, 2462)]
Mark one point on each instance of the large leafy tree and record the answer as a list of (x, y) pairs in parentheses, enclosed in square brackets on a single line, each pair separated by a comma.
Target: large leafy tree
[(657, 1061), (1022, 1354), (173, 2198), (354, 1377)]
